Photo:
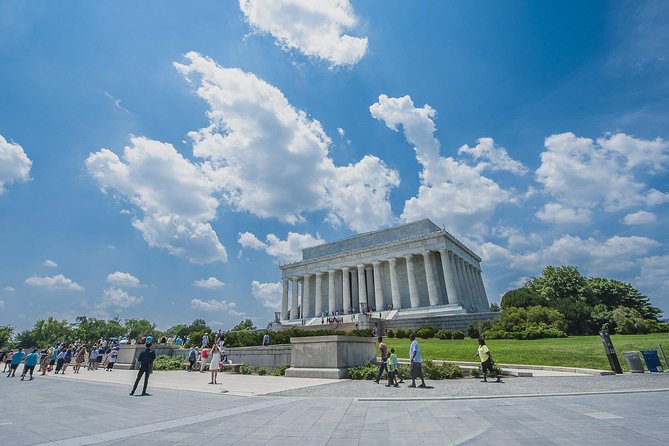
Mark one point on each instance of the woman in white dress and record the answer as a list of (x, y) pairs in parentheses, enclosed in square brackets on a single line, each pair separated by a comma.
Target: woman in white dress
[(215, 363)]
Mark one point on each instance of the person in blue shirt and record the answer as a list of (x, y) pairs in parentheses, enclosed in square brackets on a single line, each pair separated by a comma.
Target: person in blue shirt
[(416, 365), (29, 366), (16, 360)]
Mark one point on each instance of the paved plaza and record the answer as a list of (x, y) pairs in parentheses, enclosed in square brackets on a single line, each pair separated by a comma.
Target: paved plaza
[(69, 410)]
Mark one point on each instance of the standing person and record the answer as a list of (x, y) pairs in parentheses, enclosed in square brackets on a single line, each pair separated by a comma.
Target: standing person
[(3, 355), (145, 359), (29, 366), (392, 369), (80, 357), (192, 357), (100, 357), (44, 360), (67, 359), (60, 359), (215, 363), (16, 360), (416, 362), (8, 360), (486, 362), (265, 340), (204, 354), (113, 356), (384, 357), (205, 340), (54, 355), (92, 357)]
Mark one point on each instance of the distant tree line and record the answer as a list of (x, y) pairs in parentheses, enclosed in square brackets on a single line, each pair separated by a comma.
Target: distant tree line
[(563, 302)]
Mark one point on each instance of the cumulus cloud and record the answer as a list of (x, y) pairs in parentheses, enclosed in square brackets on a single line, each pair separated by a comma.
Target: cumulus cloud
[(284, 251), (211, 283), (216, 305), (582, 173), (14, 164), (116, 297), (315, 28), (559, 213), (491, 157), (119, 278), (175, 196), (50, 264), (9, 289), (654, 275), (268, 294), (451, 192), (639, 218), (614, 254), (57, 282), (272, 160), (249, 240)]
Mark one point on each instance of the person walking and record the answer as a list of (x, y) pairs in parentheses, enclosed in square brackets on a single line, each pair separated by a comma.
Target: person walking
[(204, 354), (416, 365), (486, 362), (113, 356), (215, 363), (392, 369), (8, 361), (16, 360), (384, 357), (145, 360), (67, 359), (192, 357), (79, 358), (29, 366), (265, 340)]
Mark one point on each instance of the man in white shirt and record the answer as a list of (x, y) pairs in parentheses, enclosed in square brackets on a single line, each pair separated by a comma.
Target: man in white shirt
[(416, 362)]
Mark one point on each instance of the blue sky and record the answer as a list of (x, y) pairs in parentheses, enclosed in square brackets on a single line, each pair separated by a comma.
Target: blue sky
[(161, 159)]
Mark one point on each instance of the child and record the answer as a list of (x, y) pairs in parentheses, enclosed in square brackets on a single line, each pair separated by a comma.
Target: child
[(113, 356), (392, 369)]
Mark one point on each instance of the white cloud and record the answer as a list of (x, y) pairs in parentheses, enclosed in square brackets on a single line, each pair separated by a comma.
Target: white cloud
[(116, 297), (249, 240), (614, 254), (216, 305), (272, 160), (50, 264), (57, 282), (119, 278), (654, 275), (211, 283), (559, 213), (582, 173), (14, 164), (451, 192), (315, 28), (639, 218), (341, 132), (175, 196), (9, 289), (289, 250), (492, 157), (268, 294)]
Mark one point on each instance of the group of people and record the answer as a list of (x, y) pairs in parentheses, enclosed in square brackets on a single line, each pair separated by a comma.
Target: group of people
[(389, 363)]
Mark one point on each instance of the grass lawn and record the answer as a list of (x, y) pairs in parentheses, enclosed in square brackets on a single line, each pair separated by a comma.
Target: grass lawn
[(575, 351)]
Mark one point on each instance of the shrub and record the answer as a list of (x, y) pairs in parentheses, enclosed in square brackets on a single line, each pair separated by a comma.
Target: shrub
[(366, 371), (402, 333), (246, 369), (426, 332), (404, 370), (444, 334), (432, 370), (390, 333), (630, 321), (164, 362), (261, 371), (473, 328), (457, 335), (662, 328), (280, 371)]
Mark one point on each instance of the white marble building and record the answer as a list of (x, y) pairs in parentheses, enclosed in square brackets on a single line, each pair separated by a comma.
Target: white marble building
[(407, 268)]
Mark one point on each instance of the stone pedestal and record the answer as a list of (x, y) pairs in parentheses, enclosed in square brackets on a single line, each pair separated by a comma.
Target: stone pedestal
[(328, 356)]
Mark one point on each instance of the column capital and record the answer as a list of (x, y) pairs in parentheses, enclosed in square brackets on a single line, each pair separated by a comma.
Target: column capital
[(376, 262)]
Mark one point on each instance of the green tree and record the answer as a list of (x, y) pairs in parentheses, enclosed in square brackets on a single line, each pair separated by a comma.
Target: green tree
[(614, 293), (246, 324), (89, 329), (136, 328), (561, 282), (523, 297), (179, 330), (6, 333), (630, 321), (46, 332)]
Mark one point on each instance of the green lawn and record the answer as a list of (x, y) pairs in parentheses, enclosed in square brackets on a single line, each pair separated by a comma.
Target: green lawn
[(575, 351)]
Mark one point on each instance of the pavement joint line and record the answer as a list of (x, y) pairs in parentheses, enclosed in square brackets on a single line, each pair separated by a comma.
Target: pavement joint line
[(529, 395), (162, 425)]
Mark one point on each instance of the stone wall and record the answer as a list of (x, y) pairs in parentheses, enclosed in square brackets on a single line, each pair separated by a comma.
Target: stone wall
[(329, 356), (454, 322), (128, 354), (270, 357)]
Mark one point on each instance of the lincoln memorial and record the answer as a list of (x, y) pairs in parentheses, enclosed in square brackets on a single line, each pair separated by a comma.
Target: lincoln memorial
[(416, 273)]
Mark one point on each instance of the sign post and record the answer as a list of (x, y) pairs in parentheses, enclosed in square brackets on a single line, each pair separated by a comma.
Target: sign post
[(610, 352)]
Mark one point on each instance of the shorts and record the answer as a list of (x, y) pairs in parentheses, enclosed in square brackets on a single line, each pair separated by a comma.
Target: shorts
[(487, 366), (52, 362), (416, 370), (13, 366)]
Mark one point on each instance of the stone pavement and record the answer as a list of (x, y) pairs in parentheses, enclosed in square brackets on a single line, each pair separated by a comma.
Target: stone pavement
[(56, 411)]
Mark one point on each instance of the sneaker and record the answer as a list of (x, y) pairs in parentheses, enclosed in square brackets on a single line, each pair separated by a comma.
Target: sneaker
[(145, 394), (422, 386), (397, 385), (387, 385), (132, 393)]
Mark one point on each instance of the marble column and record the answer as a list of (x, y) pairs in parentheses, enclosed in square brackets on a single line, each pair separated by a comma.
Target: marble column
[(464, 292), (284, 300), (378, 291), (370, 286), (331, 292), (411, 277), (395, 284), (294, 309), (346, 289), (362, 287), (319, 294), (306, 299), (432, 291), (472, 288), (355, 293), (484, 297), (449, 279)]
